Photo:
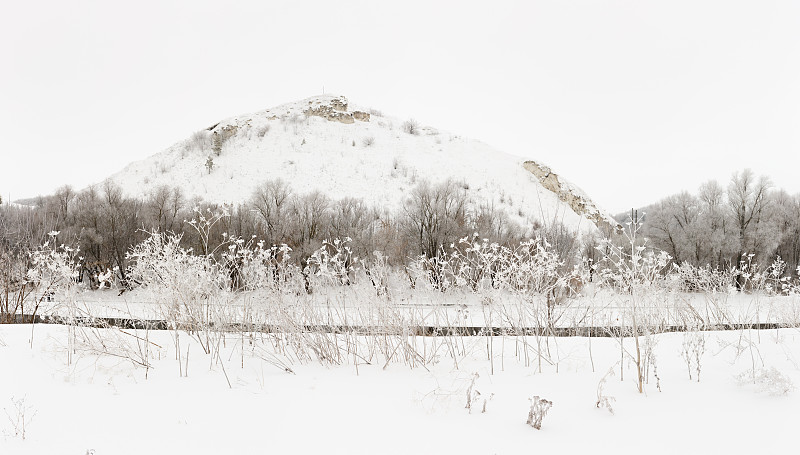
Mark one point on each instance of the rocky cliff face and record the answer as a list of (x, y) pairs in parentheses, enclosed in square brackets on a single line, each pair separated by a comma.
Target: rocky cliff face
[(572, 196), (335, 110)]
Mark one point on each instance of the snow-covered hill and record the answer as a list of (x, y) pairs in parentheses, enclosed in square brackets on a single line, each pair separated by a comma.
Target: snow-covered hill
[(323, 143)]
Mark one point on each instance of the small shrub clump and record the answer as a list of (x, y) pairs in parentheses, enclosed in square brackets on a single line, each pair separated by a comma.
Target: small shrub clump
[(539, 408), (767, 380), (411, 127)]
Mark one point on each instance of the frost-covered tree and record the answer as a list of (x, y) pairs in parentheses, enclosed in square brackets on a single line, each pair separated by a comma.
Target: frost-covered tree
[(64, 198), (749, 203), (718, 227), (105, 224), (310, 222), (163, 209), (121, 225), (16, 245), (786, 215), (674, 224), (494, 224), (435, 216), (242, 222), (715, 227), (271, 201), (89, 224)]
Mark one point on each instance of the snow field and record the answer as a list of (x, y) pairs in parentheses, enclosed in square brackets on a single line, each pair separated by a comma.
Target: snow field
[(107, 404)]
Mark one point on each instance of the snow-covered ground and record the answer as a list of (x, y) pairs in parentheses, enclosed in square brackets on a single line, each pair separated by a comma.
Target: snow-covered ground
[(357, 305), (237, 402)]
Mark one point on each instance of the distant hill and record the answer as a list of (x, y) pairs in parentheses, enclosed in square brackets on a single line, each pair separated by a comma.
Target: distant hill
[(323, 143)]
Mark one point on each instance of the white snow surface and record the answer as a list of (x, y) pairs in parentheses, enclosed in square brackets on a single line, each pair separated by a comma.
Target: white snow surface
[(102, 404), (314, 153)]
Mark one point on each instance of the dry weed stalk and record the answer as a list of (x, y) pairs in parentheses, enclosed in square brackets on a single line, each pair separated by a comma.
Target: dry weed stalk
[(538, 410)]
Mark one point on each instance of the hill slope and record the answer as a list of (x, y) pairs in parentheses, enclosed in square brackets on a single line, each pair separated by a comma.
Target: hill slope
[(322, 143)]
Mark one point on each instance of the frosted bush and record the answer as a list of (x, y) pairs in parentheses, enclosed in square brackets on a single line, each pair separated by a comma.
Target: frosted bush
[(641, 268), (333, 262), (754, 278), (702, 279), (766, 380), (377, 271), (54, 272), (253, 267), (54, 267), (160, 263)]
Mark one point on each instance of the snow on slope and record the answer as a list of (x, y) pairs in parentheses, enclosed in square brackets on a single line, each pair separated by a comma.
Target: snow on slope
[(320, 144)]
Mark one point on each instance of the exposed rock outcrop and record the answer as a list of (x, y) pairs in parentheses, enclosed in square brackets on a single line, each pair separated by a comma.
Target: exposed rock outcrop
[(335, 110), (361, 116), (577, 201)]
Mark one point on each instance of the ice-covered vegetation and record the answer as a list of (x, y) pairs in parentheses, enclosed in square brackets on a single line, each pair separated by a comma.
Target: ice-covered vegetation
[(718, 227), (336, 304)]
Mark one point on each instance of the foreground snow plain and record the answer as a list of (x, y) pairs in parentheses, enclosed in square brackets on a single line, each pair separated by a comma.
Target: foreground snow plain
[(241, 401)]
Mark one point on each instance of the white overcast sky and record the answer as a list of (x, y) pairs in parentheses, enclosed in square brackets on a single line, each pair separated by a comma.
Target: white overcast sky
[(630, 100)]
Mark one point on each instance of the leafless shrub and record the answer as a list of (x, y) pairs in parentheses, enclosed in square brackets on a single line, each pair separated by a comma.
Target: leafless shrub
[(473, 394), (411, 127), (134, 346), (692, 350), (368, 141), (19, 417), (603, 400), (539, 408), (262, 130), (293, 121), (201, 141)]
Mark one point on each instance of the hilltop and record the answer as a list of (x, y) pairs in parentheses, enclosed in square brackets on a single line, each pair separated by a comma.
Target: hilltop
[(324, 143)]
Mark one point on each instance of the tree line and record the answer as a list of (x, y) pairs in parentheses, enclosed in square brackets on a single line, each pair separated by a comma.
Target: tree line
[(748, 222), (105, 224), (745, 223)]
